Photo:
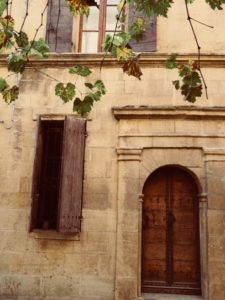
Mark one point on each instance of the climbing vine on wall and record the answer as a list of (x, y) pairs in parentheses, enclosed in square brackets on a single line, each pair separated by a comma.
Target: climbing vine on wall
[(191, 81)]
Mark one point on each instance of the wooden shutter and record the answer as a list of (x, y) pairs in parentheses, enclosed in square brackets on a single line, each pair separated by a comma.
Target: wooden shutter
[(59, 26), (36, 177), (70, 200), (148, 44)]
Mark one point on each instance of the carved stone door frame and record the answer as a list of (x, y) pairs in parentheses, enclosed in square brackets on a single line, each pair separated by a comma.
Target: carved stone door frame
[(129, 220)]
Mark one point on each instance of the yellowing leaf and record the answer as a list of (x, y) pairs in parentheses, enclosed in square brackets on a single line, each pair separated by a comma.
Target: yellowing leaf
[(123, 53), (78, 7), (120, 6)]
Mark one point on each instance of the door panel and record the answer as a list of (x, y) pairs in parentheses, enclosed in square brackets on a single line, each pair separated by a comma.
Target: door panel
[(170, 233)]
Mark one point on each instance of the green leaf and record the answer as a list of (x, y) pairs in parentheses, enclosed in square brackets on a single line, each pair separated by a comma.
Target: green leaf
[(176, 83), (3, 5), (10, 95), (89, 85), (16, 63), (121, 39), (66, 93), (83, 107), (153, 7), (216, 4), (39, 48), (137, 29), (107, 43), (3, 84), (22, 39), (80, 70), (171, 63), (95, 96), (100, 86)]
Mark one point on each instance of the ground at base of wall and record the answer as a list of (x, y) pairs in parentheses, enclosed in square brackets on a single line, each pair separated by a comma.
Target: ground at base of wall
[(169, 297)]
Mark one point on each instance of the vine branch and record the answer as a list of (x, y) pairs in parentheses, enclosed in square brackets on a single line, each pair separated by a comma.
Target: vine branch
[(189, 18)]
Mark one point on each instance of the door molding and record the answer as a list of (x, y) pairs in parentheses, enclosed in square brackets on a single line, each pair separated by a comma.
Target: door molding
[(134, 166)]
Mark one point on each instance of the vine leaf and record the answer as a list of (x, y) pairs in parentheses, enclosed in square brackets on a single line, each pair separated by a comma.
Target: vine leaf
[(191, 83), (171, 61), (3, 39), (7, 22), (78, 7), (3, 84), (22, 39), (10, 95), (176, 84), (132, 68), (153, 8), (80, 70), (216, 4), (40, 48), (3, 5), (83, 107), (16, 63), (66, 93), (123, 53), (137, 29)]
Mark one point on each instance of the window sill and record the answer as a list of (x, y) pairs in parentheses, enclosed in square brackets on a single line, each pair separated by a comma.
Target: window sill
[(54, 235)]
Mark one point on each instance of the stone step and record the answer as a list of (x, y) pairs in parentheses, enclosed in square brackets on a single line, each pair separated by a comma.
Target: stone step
[(169, 297)]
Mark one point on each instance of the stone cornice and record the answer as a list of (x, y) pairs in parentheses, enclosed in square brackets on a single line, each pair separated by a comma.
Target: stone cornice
[(168, 112), (152, 60)]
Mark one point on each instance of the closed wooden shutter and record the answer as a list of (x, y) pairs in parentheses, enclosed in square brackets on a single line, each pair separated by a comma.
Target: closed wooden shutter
[(36, 177), (70, 201), (148, 44), (59, 26)]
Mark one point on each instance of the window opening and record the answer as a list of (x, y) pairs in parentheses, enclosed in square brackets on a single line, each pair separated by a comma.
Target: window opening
[(101, 21), (52, 132)]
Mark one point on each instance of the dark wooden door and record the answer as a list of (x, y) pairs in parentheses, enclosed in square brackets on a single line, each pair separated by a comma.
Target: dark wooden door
[(170, 233)]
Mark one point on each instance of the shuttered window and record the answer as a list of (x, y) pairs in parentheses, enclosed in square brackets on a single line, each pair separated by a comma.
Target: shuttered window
[(59, 26), (92, 29), (58, 175), (148, 43)]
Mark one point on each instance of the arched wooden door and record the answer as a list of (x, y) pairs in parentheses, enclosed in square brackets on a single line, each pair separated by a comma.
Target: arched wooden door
[(170, 233)]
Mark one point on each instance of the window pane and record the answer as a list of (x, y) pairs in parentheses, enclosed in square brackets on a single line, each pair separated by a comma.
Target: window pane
[(91, 22), (89, 42), (115, 2), (111, 17)]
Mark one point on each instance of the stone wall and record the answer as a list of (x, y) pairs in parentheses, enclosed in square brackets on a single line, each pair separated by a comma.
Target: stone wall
[(122, 148)]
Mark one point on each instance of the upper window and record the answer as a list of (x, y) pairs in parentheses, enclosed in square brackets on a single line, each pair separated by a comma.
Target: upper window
[(101, 21), (86, 34)]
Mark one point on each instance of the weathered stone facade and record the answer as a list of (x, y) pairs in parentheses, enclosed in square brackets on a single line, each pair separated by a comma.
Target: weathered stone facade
[(138, 127)]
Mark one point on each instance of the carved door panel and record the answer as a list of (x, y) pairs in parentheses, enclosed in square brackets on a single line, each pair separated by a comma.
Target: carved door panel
[(170, 233)]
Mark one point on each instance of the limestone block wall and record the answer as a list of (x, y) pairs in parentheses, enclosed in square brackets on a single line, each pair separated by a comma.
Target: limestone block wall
[(49, 265), (103, 262)]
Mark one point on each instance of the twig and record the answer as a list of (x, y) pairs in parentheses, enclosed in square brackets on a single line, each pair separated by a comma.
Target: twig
[(198, 46), (26, 15), (197, 21)]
